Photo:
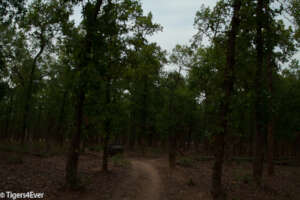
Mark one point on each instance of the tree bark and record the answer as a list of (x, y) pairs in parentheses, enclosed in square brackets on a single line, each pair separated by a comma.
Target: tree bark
[(172, 139), (29, 89), (132, 135), (217, 189), (270, 149), (144, 115), (270, 138), (172, 151), (259, 107), (270, 70), (72, 160), (107, 128), (189, 138), (298, 147), (8, 119), (60, 135)]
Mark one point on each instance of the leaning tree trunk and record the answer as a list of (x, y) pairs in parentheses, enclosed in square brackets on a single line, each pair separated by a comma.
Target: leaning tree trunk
[(28, 89), (217, 190), (259, 107)]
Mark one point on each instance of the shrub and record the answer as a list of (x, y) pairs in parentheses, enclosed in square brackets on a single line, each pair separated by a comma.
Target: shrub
[(14, 159), (185, 162), (97, 148), (120, 161), (191, 182)]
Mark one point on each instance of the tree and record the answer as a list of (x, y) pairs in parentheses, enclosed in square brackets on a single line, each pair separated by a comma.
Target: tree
[(259, 98), (104, 55), (11, 11), (180, 57), (145, 63), (91, 14), (228, 82)]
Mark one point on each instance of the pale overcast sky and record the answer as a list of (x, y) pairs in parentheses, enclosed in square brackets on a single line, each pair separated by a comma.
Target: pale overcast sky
[(176, 17)]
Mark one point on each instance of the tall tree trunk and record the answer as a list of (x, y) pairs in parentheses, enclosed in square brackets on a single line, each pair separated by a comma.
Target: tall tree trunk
[(172, 151), (270, 149), (37, 126), (259, 107), (72, 160), (298, 147), (270, 137), (8, 119), (217, 190), (189, 137), (172, 138), (144, 115), (73, 155), (172, 143), (60, 134), (29, 89), (270, 70), (150, 139), (105, 152), (48, 132), (107, 127), (132, 134)]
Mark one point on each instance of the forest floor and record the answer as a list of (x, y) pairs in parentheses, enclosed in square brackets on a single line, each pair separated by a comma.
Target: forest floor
[(141, 178)]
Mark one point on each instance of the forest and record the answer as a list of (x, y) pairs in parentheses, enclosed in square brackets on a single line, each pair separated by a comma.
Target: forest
[(95, 110)]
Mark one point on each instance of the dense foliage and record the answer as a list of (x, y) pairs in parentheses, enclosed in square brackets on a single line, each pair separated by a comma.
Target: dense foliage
[(101, 81)]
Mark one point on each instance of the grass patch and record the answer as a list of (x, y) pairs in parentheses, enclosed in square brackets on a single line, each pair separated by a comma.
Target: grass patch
[(17, 148), (120, 161), (203, 158), (186, 161), (242, 159), (155, 151), (97, 148), (35, 149), (14, 159), (241, 177), (191, 183)]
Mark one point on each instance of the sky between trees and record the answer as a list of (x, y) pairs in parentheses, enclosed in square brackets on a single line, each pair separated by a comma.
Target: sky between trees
[(176, 17)]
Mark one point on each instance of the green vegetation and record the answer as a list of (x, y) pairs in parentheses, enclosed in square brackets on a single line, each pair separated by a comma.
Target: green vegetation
[(36, 149), (120, 161), (14, 159), (185, 161), (235, 90)]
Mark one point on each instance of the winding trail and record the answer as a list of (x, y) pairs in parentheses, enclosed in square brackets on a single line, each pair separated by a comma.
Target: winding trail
[(143, 183)]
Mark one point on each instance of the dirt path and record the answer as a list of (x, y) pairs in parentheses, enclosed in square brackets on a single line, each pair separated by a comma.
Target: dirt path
[(143, 183)]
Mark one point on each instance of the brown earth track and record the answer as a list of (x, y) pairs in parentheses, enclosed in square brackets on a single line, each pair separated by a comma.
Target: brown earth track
[(143, 183)]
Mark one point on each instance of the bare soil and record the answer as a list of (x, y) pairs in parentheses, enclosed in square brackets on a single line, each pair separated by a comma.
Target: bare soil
[(193, 182), (143, 183), (144, 179)]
